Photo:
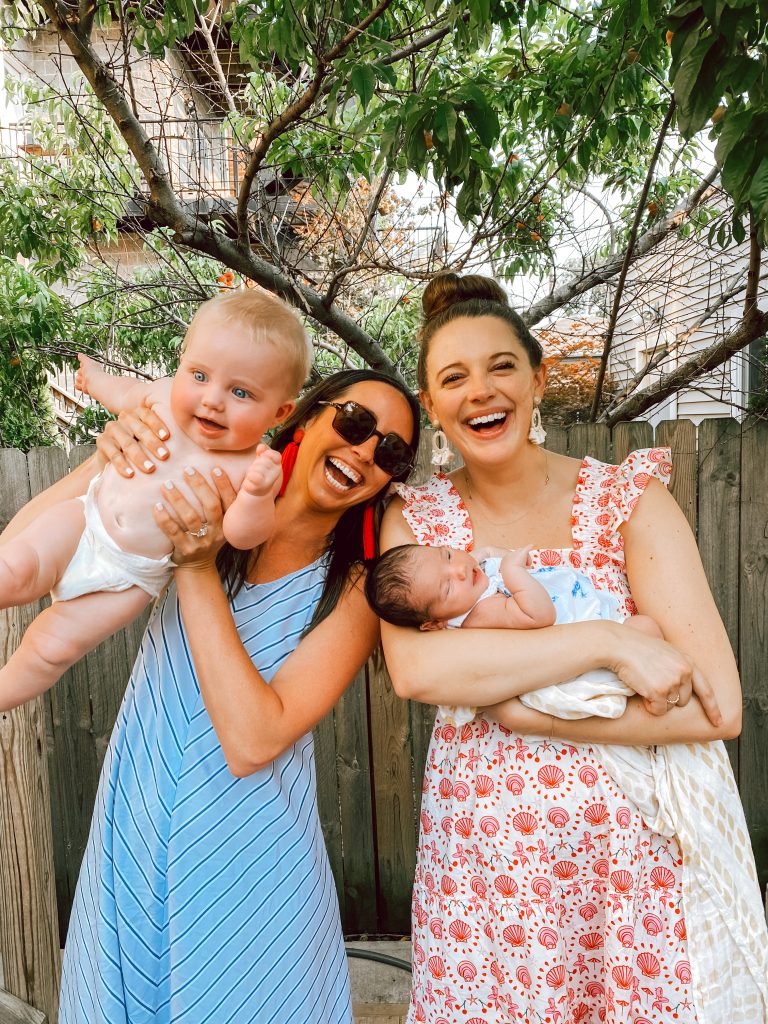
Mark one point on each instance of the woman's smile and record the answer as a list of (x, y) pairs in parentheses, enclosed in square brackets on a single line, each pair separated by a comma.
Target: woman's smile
[(340, 475)]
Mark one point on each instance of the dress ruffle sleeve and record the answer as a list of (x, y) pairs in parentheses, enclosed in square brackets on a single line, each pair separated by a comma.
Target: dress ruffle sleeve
[(634, 474), (435, 513)]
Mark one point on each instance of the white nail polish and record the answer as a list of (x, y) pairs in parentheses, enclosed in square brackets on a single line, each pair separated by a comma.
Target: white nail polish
[(148, 464), (162, 452), (128, 471), (189, 471), (163, 434), (216, 471), (159, 506), (168, 485)]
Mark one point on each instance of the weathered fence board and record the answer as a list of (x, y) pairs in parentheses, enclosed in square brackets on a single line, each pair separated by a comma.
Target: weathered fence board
[(753, 637), (355, 802), (719, 468), (394, 798), (29, 927), (370, 751)]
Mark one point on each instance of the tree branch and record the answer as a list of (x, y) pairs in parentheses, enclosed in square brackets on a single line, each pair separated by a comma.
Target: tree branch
[(162, 197), (608, 338), (680, 339), (753, 271), (280, 124), (246, 263), (754, 325), (599, 275)]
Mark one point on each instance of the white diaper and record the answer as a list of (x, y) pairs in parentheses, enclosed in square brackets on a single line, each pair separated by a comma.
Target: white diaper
[(99, 564)]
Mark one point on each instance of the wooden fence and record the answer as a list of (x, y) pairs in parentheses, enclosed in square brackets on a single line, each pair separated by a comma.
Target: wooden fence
[(371, 749)]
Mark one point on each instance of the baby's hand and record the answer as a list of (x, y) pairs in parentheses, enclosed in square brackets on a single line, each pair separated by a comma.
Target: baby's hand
[(263, 473), (519, 556), (88, 368), (482, 553)]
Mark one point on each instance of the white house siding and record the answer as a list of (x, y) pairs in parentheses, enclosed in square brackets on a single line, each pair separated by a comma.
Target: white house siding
[(666, 293)]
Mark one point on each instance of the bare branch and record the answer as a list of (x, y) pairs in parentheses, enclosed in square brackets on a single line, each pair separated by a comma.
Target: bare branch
[(221, 78), (680, 340), (280, 124), (754, 325), (247, 264), (605, 271), (753, 272), (608, 339)]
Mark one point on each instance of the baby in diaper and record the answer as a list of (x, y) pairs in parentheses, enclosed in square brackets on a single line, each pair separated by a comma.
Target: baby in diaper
[(446, 588), (103, 557)]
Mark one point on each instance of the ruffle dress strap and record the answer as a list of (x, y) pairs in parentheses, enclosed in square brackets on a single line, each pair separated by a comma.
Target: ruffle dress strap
[(435, 513), (633, 476), (607, 496)]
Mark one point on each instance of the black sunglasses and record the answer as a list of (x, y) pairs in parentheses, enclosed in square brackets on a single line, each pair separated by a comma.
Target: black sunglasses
[(356, 424)]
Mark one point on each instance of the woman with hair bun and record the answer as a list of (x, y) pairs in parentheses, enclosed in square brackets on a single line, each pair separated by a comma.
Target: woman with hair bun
[(552, 883)]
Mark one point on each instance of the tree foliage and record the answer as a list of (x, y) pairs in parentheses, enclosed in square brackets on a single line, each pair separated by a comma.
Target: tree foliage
[(502, 111)]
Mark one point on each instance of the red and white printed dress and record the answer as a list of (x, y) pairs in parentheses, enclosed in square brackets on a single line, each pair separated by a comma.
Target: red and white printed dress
[(540, 895)]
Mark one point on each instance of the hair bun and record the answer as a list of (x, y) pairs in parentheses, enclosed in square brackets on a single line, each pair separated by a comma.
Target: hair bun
[(446, 290)]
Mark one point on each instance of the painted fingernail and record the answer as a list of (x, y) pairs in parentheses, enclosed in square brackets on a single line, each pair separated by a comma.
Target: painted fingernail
[(163, 434), (168, 485), (162, 452), (148, 464), (128, 471), (216, 471), (159, 506), (189, 471)]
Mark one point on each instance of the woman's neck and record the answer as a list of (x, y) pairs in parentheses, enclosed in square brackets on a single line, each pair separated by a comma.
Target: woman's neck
[(300, 537), (517, 481)]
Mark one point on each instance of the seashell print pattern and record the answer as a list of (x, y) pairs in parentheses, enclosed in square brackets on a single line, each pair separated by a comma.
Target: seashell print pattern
[(566, 906)]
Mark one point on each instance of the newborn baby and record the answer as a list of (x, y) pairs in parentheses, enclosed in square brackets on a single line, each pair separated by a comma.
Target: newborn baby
[(446, 588)]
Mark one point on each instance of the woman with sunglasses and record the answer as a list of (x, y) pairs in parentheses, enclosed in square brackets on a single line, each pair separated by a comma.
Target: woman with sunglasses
[(205, 893), (548, 886)]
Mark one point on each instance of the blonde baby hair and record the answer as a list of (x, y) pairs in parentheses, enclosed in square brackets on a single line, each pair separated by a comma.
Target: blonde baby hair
[(268, 319)]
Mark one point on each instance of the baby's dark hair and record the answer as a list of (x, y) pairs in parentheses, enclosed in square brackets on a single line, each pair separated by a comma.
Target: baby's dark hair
[(388, 587)]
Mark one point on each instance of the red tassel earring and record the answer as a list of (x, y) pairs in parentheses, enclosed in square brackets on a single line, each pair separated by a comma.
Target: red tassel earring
[(288, 458), (369, 535)]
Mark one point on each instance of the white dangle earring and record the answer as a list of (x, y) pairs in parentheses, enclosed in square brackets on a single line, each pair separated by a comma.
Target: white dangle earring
[(441, 451), (537, 433)]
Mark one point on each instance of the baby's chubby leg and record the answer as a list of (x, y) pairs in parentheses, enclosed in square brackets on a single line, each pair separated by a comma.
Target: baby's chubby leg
[(645, 624), (62, 634), (34, 561)]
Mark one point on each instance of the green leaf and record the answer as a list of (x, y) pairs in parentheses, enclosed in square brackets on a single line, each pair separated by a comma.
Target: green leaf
[(734, 126), (363, 81), (444, 124), (739, 234), (758, 189), (736, 170), (468, 200), (460, 152)]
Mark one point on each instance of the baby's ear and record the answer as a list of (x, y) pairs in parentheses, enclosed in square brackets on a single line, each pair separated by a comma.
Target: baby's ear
[(432, 624)]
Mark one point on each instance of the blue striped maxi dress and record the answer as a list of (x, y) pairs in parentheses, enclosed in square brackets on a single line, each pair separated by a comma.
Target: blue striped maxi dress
[(203, 898)]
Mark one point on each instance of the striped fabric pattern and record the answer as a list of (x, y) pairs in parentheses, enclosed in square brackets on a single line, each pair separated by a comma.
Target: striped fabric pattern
[(203, 898)]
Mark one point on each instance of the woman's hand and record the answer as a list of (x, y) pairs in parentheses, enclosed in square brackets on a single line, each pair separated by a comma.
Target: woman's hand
[(196, 537), (133, 441), (663, 676)]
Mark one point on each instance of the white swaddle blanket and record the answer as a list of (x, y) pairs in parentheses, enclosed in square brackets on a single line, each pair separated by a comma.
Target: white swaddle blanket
[(599, 692)]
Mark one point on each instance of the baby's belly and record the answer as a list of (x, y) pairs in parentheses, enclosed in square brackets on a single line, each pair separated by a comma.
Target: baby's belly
[(126, 507)]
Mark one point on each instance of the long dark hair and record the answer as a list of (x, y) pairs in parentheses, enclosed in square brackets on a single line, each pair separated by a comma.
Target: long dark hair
[(346, 543)]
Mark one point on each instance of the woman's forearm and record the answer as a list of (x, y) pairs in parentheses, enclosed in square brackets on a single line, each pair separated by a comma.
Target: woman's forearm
[(484, 666), (242, 708), (636, 727), (256, 722), (70, 486)]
